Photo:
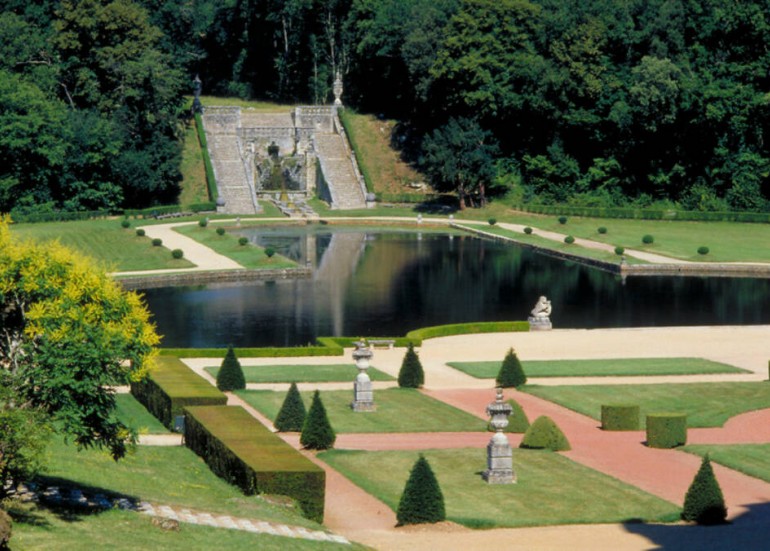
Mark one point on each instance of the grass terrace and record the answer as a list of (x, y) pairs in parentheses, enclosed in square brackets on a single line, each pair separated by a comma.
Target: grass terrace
[(551, 489), (304, 373), (602, 368), (133, 414), (398, 410), (750, 459)]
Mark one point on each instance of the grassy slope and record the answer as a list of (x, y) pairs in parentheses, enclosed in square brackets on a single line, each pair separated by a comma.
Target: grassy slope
[(303, 373), (135, 415), (751, 459), (193, 184)]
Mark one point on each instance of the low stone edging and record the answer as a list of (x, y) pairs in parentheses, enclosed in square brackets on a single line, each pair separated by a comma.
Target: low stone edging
[(150, 281)]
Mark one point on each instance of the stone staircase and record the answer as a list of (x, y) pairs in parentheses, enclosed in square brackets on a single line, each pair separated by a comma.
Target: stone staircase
[(230, 174), (339, 171)]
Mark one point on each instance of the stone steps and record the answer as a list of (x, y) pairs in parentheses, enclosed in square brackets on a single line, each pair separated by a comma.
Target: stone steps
[(338, 172)]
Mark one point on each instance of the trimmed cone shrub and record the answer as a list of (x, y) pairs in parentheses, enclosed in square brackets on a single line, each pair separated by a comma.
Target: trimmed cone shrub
[(511, 374), (291, 416), (543, 434), (317, 432), (230, 376), (518, 422), (411, 374), (704, 502), (422, 501)]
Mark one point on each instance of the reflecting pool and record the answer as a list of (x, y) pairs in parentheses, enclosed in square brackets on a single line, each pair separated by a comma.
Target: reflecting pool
[(386, 283)]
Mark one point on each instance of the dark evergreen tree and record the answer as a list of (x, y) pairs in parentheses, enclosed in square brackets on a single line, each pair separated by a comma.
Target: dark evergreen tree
[(317, 432), (543, 434), (291, 416), (704, 502), (411, 374), (422, 500), (511, 373), (230, 376)]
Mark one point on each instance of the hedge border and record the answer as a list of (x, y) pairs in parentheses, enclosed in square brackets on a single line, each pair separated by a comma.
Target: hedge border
[(211, 180), (242, 451)]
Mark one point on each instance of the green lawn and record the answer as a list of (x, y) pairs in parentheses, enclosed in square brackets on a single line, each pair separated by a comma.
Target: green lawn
[(602, 368), (42, 529), (249, 255), (551, 489), (751, 459), (398, 410), (118, 248), (193, 185), (133, 414), (706, 404), (304, 373)]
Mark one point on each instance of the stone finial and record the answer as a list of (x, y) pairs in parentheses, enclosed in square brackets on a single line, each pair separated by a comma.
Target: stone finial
[(499, 453), (337, 89), (363, 394)]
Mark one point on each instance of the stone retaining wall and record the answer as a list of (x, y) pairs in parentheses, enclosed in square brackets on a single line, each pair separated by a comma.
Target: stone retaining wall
[(151, 281)]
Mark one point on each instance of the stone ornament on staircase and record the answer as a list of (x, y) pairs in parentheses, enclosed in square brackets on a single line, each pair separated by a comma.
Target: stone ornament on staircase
[(337, 89)]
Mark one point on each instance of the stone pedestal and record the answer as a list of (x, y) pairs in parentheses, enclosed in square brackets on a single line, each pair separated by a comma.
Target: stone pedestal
[(539, 324), (363, 394), (499, 453)]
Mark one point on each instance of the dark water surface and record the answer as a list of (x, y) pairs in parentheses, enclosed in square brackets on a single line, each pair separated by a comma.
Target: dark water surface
[(386, 283)]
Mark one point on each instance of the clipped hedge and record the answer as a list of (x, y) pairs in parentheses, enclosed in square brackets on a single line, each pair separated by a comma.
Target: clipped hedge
[(170, 387), (326, 347), (57, 216), (620, 417), (468, 328), (666, 430), (245, 453), (209, 168)]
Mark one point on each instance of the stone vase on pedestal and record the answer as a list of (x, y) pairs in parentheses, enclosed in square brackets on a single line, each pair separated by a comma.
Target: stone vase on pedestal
[(499, 453), (363, 395)]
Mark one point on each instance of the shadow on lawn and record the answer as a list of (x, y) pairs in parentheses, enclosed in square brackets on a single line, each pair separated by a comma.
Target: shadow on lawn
[(747, 532)]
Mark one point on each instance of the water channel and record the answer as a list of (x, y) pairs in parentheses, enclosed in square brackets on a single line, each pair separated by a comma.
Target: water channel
[(388, 282)]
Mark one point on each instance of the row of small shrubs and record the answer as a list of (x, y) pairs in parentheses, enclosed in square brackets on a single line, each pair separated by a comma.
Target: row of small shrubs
[(247, 454), (316, 431), (170, 387)]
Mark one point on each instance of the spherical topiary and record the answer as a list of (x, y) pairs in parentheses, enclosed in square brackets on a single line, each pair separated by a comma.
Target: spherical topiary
[(291, 416), (569, 240), (203, 222), (157, 242), (269, 252), (220, 231), (601, 229), (125, 224), (518, 422), (703, 250), (619, 250), (230, 375), (511, 374), (317, 432), (140, 232), (704, 502), (562, 219), (411, 374), (422, 500), (243, 240), (648, 239), (543, 434), (177, 253), (492, 221), (528, 230)]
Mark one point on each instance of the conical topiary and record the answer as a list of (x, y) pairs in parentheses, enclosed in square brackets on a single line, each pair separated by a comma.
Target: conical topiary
[(543, 434), (704, 502), (230, 376), (422, 500), (317, 432), (518, 422), (411, 374), (511, 374), (291, 416)]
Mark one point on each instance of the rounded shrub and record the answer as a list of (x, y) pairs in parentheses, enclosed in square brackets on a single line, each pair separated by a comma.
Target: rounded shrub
[(703, 250), (269, 252), (125, 224), (648, 239), (243, 240), (157, 242), (203, 222), (528, 230), (422, 501), (619, 250), (704, 502), (569, 240), (543, 434), (230, 375), (518, 422), (601, 229), (511, 374), (220, 231), (562, 219), (177, 253), (317, 432), (140, 232), (292, 414), (492, 221), (411, 374), (666, 430), (620, 417)]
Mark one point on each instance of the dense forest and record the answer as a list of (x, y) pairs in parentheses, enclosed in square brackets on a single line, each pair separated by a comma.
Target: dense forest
[(590, 102)]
